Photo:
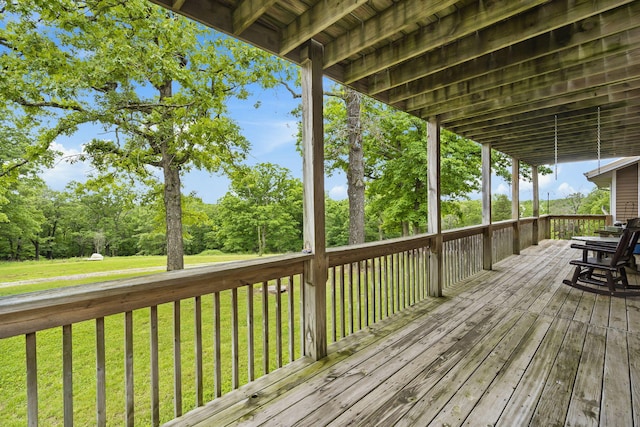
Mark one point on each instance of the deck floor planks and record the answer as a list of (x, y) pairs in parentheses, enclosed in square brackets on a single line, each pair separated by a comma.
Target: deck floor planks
[(633, 314), (600, 315), (584, 408), (556, 395), (437, 359), (522, 404), (616, 389), (428, 392), (467, 396), (490, 406), (633, 341), (584, 310), (618, 313), (576, 363)]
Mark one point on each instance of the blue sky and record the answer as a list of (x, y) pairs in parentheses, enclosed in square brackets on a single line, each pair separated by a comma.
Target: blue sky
[(271, 129)]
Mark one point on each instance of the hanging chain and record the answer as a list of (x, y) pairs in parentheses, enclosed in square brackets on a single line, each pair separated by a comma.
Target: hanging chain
[(598, 139), (555, 143)]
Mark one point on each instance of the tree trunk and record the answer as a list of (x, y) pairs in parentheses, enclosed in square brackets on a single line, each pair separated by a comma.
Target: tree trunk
[(173, 209), (36, 248), (355, 172), (172, 191)]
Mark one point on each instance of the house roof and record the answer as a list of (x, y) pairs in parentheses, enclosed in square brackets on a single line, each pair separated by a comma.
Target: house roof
[(603, 175), (525, 76)]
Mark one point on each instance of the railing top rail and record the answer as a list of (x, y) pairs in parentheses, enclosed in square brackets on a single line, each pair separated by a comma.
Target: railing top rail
[(346, 254), (33, 311)]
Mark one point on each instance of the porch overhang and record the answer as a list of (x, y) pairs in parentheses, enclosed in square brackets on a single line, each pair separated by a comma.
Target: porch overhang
[(498, 72)]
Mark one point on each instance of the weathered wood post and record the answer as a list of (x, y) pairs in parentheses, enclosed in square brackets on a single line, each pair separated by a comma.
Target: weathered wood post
[(536, 205), (434, 224), (315, 271), (515, 204), (487, 233)]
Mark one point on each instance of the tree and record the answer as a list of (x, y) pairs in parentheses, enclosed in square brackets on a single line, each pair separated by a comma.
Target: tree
[(596, 202), (501, 208), (157, 82), (23, 218), (344, 133), (262, 212), (575, 201)]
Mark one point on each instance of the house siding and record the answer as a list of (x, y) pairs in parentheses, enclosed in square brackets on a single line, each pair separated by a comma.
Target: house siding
[(626, 193)]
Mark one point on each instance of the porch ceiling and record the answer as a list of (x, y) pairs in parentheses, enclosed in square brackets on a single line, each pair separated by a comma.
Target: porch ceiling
[(495, 71)]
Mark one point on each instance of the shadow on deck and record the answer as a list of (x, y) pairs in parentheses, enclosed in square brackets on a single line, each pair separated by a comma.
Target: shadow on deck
[(512, 346)]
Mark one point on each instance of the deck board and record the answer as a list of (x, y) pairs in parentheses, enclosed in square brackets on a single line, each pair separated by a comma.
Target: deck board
[(511, 346)]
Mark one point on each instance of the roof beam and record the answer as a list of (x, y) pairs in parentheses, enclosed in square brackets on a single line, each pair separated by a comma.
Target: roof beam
[(467, 21), (562, 64), (320, 16), (502, 35), (247, 12), (605, 71), (398, 17)]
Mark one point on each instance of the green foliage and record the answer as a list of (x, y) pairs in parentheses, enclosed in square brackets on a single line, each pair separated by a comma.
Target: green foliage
[(596, 202), (337, 222), (262, 212), (157, 82), (500, 208)]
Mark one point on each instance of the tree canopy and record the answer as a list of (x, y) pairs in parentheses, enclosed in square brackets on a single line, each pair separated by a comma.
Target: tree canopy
[(156, 83)]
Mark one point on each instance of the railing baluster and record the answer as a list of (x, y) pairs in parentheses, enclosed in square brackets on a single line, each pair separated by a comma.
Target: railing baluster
[(350, 300), (251, 355), (279, 322), (235, 356), (388, 289), (292, 330), (155, 366), (217, 345), (177, 360), (343, 330), (32, 379), (128, 368), (265, 327), (303, 321), (375, 306), (67, 374), (334, 302), (198, 350), (366, 292), (392, 293), (358, 283), (101, 375)]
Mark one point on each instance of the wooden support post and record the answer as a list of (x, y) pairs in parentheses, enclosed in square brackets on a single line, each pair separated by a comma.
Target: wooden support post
[(434, 224), (315, 272), (536, 205), (487, 237), (515, 204)]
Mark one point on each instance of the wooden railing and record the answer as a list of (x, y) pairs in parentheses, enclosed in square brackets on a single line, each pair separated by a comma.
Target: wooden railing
[(190, 335), (148, 349), (567, 226), (462, 254), (372, 281)]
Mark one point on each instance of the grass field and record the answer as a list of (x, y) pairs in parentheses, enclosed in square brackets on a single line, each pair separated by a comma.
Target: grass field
[(49, 344), (49, 274)]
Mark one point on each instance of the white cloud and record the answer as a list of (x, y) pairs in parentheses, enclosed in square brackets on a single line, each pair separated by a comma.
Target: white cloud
[(271, 135), (63, 170), (502, 189), (565, 189), (338, 192)]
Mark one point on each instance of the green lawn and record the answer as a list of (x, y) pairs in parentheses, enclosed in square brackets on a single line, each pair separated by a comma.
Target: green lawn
[(31, 270)]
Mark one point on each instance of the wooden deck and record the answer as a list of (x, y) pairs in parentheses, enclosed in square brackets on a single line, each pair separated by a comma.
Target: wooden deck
[(511, 347)]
